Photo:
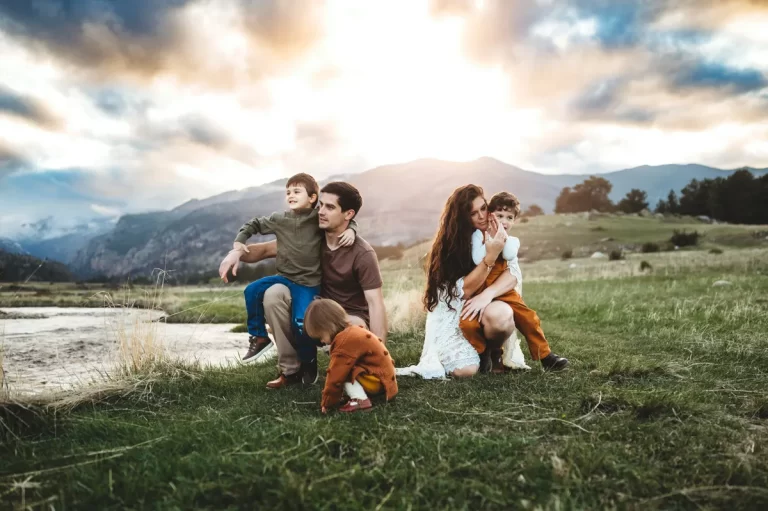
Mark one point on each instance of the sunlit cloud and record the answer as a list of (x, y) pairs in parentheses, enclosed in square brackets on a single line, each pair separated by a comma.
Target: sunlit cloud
[(146, 104)]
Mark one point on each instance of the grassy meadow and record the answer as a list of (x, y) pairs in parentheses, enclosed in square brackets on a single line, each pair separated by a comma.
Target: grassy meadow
[(665, 405)]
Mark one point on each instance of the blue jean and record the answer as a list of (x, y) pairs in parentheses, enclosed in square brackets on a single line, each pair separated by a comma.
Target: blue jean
[(301, 296)]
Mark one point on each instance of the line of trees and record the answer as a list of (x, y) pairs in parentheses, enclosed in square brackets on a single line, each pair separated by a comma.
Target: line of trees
[(739, 198)]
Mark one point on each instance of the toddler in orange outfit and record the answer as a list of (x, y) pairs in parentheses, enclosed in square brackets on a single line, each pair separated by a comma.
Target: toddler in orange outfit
[(360, 364)]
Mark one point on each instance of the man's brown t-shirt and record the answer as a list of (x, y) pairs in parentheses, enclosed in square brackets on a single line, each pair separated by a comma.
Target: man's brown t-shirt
[(347, 272)]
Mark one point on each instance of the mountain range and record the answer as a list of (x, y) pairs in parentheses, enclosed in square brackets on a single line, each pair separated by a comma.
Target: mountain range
[(401, 204)]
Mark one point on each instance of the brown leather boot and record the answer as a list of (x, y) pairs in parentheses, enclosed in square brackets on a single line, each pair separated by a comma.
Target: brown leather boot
[(284, 380), (497, 366)]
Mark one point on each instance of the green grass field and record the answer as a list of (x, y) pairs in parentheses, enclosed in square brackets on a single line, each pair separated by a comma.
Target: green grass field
[(665, 406)]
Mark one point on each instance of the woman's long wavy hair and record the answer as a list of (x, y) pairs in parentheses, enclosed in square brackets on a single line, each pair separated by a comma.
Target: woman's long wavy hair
[(451, 255)]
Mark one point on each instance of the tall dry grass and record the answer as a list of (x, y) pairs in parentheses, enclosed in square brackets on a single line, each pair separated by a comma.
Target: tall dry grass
[(402, 299), (4, 390), (140, 346)]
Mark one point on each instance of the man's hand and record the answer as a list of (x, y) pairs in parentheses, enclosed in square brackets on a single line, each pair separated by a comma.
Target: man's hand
[(230, 262), (346, 238), (476, 305), (323, 410)]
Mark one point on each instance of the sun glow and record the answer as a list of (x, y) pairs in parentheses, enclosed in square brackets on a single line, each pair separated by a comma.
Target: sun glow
[(407, 92)]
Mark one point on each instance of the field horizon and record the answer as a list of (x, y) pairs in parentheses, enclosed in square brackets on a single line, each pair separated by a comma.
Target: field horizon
[(664, 406)]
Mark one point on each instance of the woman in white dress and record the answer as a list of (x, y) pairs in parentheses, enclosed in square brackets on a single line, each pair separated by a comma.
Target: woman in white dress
[(452, 281)]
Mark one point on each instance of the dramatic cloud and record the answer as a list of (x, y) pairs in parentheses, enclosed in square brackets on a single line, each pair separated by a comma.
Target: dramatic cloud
[(109, 106), (12, 103)]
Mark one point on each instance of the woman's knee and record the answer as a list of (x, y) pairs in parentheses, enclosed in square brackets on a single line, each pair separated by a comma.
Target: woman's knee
[(465, 372)]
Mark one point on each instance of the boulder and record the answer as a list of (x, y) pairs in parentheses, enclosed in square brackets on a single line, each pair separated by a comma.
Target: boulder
[(605, 240), (720, 283), (704, 218), (645, 213), (598, 255)]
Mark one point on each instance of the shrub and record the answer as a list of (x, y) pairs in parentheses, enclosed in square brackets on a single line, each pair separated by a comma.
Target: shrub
[(533, 210), (524, 220), (616, 255), (645, 265), (567, 254), (685, 239), (715, 251), (649, 247)]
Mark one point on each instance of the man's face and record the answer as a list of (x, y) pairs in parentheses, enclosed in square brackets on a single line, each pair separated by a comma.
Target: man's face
[(505, 217), (330, 216), (479, 214)]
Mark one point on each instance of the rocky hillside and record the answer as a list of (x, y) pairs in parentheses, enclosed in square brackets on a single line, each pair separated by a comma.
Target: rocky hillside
[(401, 204)]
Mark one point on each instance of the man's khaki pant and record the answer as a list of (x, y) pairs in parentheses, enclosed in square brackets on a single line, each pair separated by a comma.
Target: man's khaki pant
[(277, 311)]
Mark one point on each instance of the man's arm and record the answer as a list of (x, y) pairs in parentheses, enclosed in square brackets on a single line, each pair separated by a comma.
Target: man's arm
[(260, 251), (257, 252), (378, 313)]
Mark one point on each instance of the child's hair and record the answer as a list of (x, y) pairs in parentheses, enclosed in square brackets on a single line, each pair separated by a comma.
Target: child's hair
[(307, 181), (324, 316), (504, 201)]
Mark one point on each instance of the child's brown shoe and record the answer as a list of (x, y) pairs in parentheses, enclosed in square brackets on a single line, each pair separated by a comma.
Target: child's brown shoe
[(257, 345), (356, 405)]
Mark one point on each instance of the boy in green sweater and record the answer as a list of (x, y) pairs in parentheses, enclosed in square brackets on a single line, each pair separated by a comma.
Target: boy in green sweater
[(299, 248)]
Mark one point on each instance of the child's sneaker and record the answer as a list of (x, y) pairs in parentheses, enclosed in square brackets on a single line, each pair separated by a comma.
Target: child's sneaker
[(554, 362), (356, 405), (257, 345)]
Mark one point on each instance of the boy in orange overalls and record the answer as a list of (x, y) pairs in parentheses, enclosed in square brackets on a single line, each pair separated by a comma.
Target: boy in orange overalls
[(506, 208)]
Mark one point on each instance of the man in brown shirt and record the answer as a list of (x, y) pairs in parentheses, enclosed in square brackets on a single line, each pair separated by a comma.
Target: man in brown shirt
[(351, 277)]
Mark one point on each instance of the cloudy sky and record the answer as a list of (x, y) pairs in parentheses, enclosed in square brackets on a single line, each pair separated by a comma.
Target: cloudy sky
[(112, 106)]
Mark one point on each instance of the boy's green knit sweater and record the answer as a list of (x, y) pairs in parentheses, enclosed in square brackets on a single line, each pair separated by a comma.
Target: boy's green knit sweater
[(298, 243)]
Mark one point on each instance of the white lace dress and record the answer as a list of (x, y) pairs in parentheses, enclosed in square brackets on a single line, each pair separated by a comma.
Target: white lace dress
[(445, 348)]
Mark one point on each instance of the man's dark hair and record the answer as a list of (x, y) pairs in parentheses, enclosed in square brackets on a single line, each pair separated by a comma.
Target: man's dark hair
[(504, 201), (349, 197), (307, 181)]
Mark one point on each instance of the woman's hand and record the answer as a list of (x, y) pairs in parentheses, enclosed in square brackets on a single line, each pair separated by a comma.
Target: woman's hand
[(323, 410), (476, 305)]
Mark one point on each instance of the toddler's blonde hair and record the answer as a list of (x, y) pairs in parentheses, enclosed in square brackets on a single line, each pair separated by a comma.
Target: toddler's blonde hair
[(325, 316)]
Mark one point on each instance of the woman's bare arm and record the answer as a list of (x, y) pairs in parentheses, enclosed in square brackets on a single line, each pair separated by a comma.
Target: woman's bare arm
[(474, 280), (504, 284)]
